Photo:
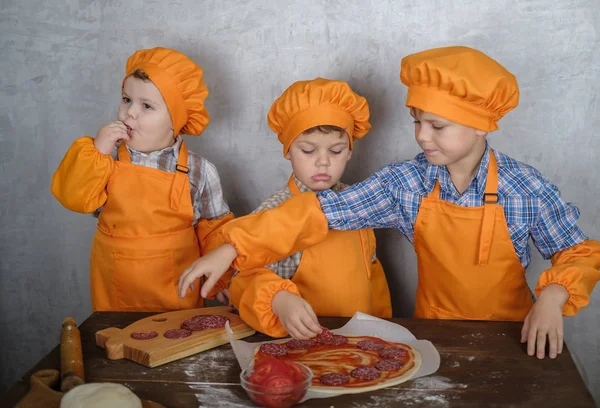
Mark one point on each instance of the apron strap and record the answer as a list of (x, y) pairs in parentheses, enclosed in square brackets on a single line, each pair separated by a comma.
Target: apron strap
[(293, 186), (435, 193), (490, 199), (181, 177), (123, 154)]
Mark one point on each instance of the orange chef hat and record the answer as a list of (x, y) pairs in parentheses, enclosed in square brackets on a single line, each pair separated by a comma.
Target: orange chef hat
[(181, 83), (306, 104), (460, 84)]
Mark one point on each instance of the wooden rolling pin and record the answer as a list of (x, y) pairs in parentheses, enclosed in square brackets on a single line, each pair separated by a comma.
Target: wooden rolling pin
[(71, 357)]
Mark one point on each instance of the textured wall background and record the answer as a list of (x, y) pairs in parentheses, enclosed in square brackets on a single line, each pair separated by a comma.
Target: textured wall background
[(62, 64)]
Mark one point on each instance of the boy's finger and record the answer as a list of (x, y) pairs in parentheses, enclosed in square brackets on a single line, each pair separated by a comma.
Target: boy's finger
[(313, 323), (541, 343), (304, 332), (182, 288), (559, 339), (531, 336), (208, 285), (188, 281), (310, 329), (552, 341), (292, 331), (525, 330)]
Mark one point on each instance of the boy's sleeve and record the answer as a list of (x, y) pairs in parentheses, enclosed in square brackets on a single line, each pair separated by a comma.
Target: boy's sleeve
[(80, 181), (252, 292), (303, 220), (207, 232), (577, 269), (215, 214), (575, 259), (272, 235)]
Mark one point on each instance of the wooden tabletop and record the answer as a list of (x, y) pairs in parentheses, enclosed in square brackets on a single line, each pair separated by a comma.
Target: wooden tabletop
[(482, 364)]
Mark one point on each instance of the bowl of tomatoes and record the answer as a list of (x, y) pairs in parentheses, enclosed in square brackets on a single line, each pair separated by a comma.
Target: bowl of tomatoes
[(275, 383)]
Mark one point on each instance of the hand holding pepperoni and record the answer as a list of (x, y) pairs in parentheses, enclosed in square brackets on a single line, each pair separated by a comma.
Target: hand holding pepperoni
[(108, 136), (296, 315)]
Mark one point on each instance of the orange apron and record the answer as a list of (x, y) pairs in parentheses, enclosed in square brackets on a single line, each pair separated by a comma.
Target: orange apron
[(468, 268), (337, 276), (145, 239)]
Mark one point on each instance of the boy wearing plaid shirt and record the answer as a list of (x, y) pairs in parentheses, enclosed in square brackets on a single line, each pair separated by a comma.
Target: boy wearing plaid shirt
[(159, 206), (317, 122), (468, 210)]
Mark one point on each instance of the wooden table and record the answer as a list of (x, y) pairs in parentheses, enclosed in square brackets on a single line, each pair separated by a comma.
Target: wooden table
[(483, 364)]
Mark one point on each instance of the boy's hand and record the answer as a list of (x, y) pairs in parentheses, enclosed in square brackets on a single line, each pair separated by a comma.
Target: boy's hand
[(212, 265), (223, 297), (545, 319), (296, 315), (109, 135)]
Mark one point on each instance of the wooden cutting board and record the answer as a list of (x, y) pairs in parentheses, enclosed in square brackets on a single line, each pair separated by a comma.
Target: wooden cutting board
[(160, 350)]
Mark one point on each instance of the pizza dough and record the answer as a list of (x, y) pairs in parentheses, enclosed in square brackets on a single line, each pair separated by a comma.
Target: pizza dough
[(100, 395)]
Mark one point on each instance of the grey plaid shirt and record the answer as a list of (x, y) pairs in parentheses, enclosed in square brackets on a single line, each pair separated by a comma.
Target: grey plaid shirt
[(205, 186)]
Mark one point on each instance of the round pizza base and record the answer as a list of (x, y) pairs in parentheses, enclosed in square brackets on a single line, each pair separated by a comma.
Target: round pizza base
[(388, 383), (357, 390)]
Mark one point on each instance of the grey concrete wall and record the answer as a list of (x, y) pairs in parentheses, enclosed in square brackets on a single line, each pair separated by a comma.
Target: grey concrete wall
[(61, 67)]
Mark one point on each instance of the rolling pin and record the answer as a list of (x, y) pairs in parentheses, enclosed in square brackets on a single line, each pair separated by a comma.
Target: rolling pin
[(71, 358)]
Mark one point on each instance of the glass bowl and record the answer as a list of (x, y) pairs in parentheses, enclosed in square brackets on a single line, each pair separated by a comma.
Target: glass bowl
[(277, 396)]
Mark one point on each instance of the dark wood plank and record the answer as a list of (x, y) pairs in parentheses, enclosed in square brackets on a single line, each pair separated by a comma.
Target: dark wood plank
[(480, 361)]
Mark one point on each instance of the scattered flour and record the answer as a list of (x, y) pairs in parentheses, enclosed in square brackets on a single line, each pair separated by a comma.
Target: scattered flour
[(210, 361), (215, 397), (407, 398)]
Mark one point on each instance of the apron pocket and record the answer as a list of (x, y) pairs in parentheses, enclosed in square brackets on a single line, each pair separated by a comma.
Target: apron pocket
[(144, 282), (439, 313)]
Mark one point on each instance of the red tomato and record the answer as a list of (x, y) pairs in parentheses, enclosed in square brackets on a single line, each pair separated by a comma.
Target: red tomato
[(276, 381), (271, 365), (259, 373), (273, 385), (296, 372)]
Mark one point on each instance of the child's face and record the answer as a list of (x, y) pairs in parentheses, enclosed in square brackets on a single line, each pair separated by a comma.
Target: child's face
[(444, 142), (319, 159), (144, 111)]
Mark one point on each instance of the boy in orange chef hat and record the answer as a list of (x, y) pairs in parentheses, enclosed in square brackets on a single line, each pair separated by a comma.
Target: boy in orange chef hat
[(468, 210), (317, 122), (159, 205)]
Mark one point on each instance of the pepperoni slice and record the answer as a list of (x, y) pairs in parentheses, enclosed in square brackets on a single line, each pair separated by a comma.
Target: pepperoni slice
[(338, 340), (325, 336), (392, 353), (300, 344), (199, 318), (365, 373), (192, 325), (177, 333), (144, 335), (334, 379), (370, 345), (274, 349), (389, 365), (214, 322)]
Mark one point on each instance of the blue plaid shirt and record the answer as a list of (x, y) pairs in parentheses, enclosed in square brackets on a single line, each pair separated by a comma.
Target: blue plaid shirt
[(390, 198)]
